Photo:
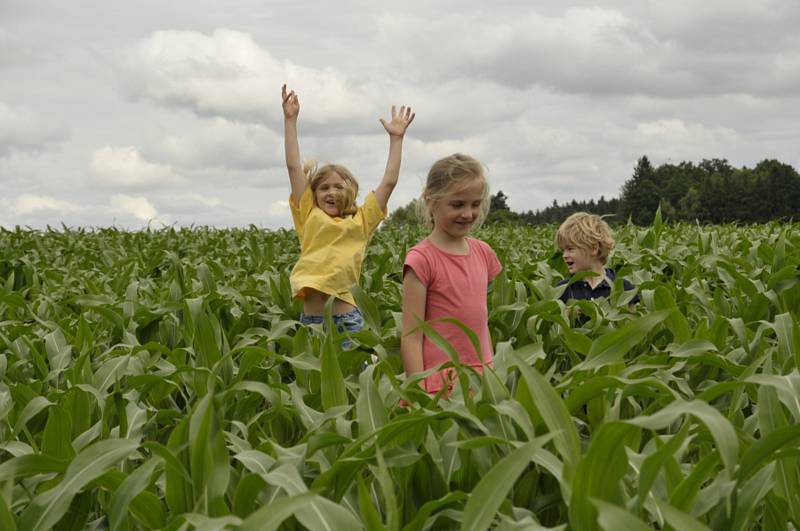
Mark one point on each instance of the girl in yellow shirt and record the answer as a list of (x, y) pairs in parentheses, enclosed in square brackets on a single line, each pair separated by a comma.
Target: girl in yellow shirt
[(333, 231)]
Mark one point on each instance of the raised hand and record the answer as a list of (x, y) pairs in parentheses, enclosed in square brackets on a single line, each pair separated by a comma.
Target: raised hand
[(399, 122), (291, 104)]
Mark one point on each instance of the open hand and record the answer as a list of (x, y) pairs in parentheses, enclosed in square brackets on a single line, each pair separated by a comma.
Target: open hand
[(291, 104), (399, 122)]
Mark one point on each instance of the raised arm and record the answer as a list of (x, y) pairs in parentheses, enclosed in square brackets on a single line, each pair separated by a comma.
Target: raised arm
[(291, 108), (414, 297), (396, 129)]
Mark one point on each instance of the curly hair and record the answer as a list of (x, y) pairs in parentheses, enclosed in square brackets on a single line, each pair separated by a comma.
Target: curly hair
[(586, 231)]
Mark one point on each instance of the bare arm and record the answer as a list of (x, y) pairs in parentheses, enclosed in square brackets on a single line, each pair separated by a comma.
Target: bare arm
[(291, 109), (396, 129), (414, 297)]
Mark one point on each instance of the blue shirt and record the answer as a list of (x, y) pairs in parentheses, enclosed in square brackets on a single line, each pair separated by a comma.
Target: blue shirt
[(582, 290)]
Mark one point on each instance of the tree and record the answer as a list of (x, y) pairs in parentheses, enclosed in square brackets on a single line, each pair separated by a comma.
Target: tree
[(499, 211), (405, 215), (498, 201), (640, 194)]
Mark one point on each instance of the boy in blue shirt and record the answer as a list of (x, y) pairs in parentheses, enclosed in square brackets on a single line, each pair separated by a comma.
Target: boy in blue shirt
[(586, 241)]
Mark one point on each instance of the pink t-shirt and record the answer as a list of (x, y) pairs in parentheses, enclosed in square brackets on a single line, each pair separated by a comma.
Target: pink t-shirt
[(456, 287)]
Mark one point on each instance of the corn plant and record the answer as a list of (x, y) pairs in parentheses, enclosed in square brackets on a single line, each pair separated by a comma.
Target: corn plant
[(159, 379)]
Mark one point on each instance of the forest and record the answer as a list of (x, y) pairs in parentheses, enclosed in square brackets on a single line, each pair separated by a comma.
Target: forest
[(711, 191)]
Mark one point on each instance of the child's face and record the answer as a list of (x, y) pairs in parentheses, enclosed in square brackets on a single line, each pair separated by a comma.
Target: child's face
[(581, 258), (330, 194), (460, 207)]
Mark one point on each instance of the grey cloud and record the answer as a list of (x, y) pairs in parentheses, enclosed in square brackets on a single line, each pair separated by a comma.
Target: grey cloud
[(608, 51), (220, 143), (24, 130), (227, 74)]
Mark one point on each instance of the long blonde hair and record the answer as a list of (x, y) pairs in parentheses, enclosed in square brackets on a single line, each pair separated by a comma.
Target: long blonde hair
[(456, 169), (316, 175)]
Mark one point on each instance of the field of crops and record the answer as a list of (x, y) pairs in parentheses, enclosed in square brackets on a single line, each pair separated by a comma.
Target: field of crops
[(158, 379)]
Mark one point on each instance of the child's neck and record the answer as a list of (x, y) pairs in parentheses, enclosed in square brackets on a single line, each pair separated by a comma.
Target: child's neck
[(600, 269), (447, 243)]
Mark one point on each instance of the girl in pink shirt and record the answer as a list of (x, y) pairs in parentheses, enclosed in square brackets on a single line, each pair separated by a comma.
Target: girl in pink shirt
[(447, 274)]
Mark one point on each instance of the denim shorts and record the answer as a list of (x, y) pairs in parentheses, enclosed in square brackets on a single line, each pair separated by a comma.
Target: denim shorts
[(351, 321)]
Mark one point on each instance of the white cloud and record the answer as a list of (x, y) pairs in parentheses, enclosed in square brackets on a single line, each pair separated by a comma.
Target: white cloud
[(558, 100), (14, 51), (138, 207), (30, 203), (23, 129), (605, 50), (227, 74), (203, 200), (224, 144), (279, 209), (674, 139), (188, 204), (125, 167)]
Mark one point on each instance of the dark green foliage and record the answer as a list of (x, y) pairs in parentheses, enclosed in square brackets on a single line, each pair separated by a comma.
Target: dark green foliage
[(159, 379)]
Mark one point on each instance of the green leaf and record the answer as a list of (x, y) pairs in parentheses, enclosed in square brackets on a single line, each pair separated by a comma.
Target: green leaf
[(679, 519), (555, 415), (318, 513), (47, 508), (387, 486), (611, 348), (31, 409), (331, 379), (365, 303), (492, 489), (720, 428), (598, 474), (764, 450), (269, 517), (57, 434), (615, 518), (653, 463), (369, 514), (248, 490), (7, 521), (370, 411), (31, 464), (135, 483)]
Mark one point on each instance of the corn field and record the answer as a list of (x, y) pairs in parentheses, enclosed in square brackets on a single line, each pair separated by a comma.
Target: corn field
[(159, 380)]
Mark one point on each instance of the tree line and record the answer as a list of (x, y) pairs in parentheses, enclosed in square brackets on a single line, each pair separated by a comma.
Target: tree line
[(711, 191)]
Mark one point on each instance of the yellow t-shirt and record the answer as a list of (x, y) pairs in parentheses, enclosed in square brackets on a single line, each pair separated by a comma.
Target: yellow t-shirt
[(331, 249)]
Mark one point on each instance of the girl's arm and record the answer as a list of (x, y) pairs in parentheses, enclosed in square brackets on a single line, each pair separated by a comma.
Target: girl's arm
[(396, 129), (297, 179), (414, 298)]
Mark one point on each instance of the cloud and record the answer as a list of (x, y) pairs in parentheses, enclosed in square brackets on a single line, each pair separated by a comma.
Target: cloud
[(24, 130), (41, 209), (124, 167), (14, 51), (138, 207), (224, 144), (31, 203), (606, 51), (203, 200), (672, 138), (226, 74), (278, 209), (191, 203)]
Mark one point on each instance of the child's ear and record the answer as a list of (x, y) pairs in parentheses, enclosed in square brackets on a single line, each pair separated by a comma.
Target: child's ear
[(595, 250)]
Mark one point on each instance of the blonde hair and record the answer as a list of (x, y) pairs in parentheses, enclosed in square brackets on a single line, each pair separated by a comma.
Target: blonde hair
[(454, 170), (316, 175), (586, 231)]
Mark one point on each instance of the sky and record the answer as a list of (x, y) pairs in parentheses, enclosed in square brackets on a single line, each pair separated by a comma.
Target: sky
[(154, 113)]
